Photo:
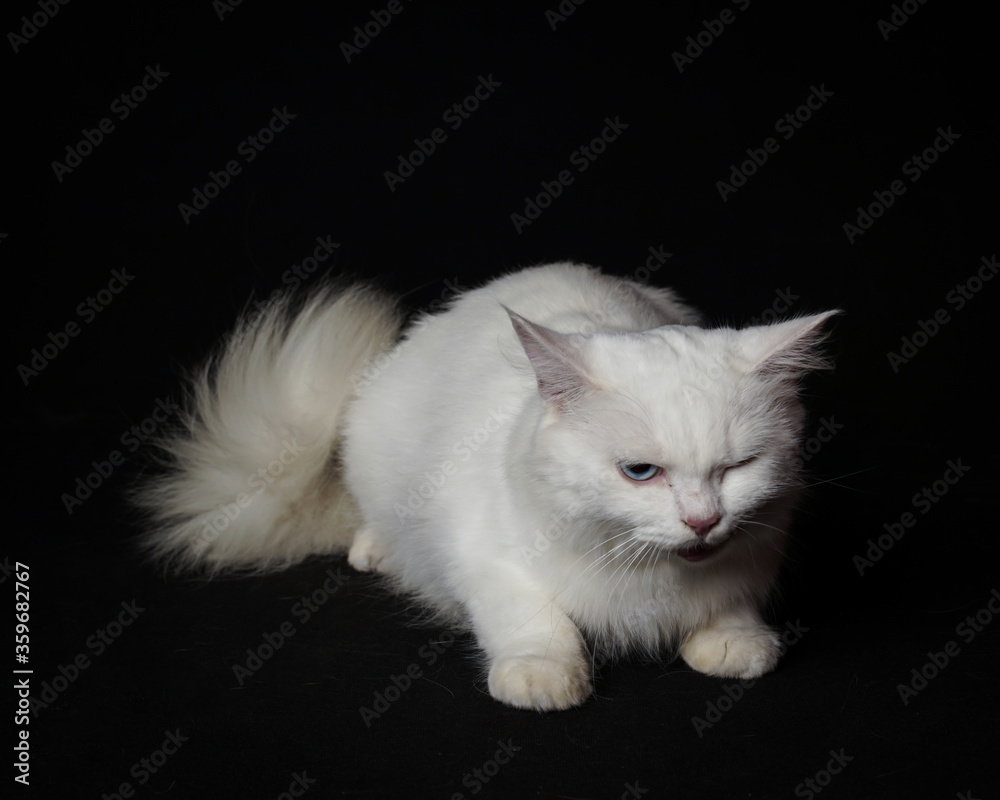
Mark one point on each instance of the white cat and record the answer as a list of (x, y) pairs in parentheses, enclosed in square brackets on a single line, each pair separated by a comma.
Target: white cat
[(560, 456)]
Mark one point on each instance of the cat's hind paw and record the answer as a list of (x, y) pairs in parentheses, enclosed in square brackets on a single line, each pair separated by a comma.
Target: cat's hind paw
[(540, 683), (733, 652), (366, 552)]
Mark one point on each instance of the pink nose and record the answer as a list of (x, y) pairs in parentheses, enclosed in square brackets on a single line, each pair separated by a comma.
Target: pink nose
[(701, 526)]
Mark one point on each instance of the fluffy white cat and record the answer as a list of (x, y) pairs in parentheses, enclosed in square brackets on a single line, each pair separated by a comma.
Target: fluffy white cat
[(561, 456)]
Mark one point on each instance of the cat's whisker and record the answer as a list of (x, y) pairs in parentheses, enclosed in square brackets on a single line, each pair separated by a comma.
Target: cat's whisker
[(598, 564), (651, 562), (753, 558), (601, 543), (762, 524), (612, 553), (616, 557), (626, 565), (834, 480), (622, 555), (763, 543)]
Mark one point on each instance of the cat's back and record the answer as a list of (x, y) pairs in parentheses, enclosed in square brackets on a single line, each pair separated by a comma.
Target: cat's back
[(456, 368), (471, 347), (574, 298)]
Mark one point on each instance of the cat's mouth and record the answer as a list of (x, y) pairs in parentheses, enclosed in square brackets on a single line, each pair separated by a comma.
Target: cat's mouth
[(702, 550)]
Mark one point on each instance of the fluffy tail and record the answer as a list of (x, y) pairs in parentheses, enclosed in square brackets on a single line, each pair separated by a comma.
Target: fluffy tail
[(251, 479)]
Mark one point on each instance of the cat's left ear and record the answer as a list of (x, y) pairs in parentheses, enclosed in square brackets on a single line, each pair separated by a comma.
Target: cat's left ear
[(787, 349), (556, 359)]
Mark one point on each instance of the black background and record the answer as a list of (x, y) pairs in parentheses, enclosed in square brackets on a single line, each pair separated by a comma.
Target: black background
[(655, 186)]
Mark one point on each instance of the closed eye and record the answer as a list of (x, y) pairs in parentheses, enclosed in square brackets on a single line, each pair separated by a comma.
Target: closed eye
[(639, 472), (743, 463)]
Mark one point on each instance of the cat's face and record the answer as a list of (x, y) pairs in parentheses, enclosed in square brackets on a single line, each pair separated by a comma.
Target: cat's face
[(676, 436)]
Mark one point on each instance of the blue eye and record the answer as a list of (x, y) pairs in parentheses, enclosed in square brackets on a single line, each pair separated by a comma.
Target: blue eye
[(639, 472)]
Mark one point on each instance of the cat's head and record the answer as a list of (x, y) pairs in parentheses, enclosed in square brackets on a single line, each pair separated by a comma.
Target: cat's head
[(677, 436)]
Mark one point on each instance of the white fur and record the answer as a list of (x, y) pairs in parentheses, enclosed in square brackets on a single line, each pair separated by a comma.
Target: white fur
[(483, 455), (250, 482)]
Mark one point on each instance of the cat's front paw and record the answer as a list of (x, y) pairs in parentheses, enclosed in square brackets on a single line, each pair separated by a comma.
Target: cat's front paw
[(540, 683), (733, 651)]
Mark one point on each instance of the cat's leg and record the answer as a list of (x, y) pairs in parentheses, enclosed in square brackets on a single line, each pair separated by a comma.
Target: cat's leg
[(536, 654), (734, 645), (367, 550)]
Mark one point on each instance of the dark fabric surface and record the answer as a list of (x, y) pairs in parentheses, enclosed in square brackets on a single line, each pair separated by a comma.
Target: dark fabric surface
[(143, 686)]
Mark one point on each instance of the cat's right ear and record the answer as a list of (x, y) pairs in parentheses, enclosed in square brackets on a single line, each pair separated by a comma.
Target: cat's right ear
[(556, 359)]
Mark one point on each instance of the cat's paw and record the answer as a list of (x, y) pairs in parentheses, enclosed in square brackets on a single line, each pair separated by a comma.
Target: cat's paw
[(366, 552), (540, 683), (733, 652)]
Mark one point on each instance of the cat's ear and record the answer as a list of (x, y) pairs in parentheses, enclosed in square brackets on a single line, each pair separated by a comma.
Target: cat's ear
[(555, 358), (787, 349)]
